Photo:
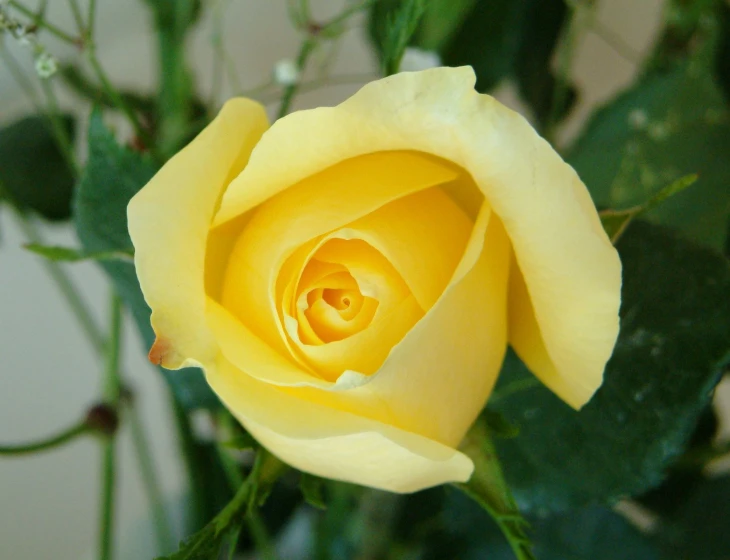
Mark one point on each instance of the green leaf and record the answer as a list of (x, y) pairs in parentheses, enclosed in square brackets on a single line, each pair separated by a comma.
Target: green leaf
[(34, 174), (113, 175), (667, 125), (615, 222), (543, 22), (673, 346), (488, 40), (701, 528), (400, 27), (68, 254), (312, 488), (722, 57), (595, 533), (206, 543), (440, 20), (489, 489), (243, 440)]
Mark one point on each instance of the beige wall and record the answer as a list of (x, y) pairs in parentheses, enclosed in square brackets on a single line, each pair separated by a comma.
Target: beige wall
[(48, 502)]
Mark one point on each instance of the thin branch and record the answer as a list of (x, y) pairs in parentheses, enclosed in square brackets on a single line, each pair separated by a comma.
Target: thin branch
[(46, 444)]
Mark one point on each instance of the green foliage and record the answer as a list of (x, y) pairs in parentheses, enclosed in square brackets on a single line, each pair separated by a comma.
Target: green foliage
[(670, 123), (673, 346), (615, 222), (448, 525), (722, 57), (207, 543), (499, 39), (487, 40), (396, 30), (487, 487), (312, 488), (34, 173), (67, 254), (542, 27), (701, 527), (113, 175)]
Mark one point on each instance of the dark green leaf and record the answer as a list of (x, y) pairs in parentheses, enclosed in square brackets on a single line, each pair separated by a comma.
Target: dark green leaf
[(113, 175), (68, 254), (206, 543), (312, 488), (440, 20), (701, 528), (686, 473), (34, 174), (722, 56), (83, 86), (673, 346), (498, 425), (594, 533), (243, 440), (541, 31), (667, 125), (615, 222), (488, 40), (400, 27)]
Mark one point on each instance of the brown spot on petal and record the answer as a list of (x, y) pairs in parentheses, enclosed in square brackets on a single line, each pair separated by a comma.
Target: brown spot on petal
[(159, 351)]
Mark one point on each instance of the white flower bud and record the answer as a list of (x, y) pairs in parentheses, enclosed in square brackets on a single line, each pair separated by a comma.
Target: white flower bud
[(415, 59), (286, 72), (45, 65)]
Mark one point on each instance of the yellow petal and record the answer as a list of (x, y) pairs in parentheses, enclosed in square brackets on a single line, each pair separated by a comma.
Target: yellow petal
[(169, 221), (335, 444), (438, 378), (423, 235), (319, 204), (571, 270)]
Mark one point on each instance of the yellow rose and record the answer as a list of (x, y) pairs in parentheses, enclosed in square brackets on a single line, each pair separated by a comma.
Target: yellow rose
[(350, 277)]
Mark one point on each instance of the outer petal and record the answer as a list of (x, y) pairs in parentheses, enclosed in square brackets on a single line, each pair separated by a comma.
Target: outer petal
[(332, 443), (438, 378), (572, 272), (169, 221)]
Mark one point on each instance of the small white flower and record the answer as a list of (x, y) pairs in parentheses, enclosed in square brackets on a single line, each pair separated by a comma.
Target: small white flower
[(286, 72), (638, 119), (25, 38), (45, 65), (415, 59)]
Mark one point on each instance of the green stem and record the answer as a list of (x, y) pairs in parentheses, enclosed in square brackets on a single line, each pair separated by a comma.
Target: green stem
[(78, 18), (290, 91), (45, 444), (572, 31), (150, 480), (219, 55), (172, 24), (91, 14), (195, 470), (16, 71), (112, 393), (352, 10), (59, 131), (254, 523), (77, 305), (116, 97), (107, 500), (44, 24)]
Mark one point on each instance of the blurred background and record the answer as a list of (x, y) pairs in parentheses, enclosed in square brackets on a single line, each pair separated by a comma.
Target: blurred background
[(48, 502)]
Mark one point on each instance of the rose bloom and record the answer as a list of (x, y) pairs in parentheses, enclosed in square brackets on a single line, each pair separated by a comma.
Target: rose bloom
[(349, 277)]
